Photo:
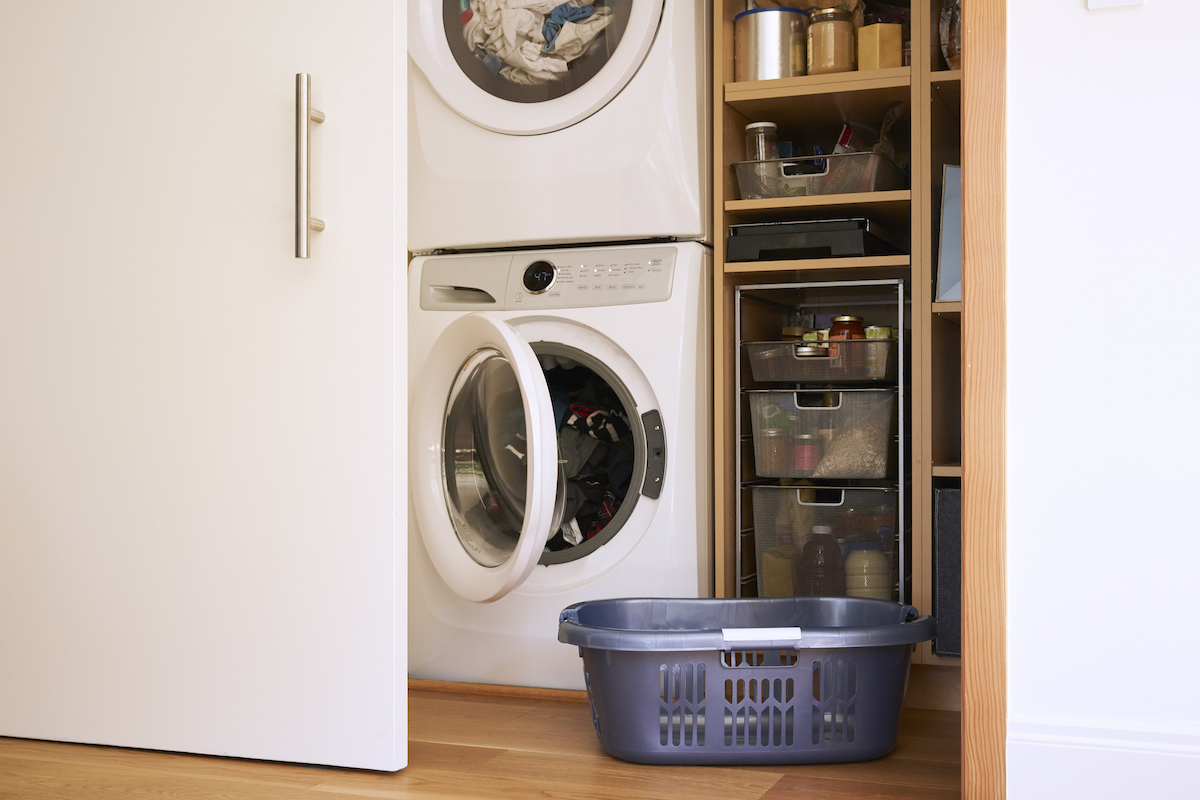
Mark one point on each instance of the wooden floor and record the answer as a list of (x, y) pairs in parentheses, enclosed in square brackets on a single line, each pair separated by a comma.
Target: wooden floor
[(477, 746)]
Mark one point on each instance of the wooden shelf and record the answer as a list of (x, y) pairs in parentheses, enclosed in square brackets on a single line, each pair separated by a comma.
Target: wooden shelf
[(844, 96), (951, 311), (948, 86), (888, 205), (817, 264), (947, 470)]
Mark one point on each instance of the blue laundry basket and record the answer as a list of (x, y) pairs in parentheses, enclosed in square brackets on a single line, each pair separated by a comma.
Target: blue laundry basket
[(777, 680)]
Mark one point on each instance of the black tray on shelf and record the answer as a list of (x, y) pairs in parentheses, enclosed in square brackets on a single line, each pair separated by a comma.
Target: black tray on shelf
[(826, 238)]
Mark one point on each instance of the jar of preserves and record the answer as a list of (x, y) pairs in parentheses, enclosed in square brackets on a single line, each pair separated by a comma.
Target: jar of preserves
[(806, 453), (775, 456), (846, 328), (831, 46)]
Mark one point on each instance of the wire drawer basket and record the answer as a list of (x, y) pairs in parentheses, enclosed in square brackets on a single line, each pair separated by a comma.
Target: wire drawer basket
[(854, 360), (797, 680), (822, 434), (784, 518)]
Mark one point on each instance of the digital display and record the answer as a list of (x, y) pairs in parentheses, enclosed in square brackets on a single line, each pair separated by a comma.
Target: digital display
[(539, 276)]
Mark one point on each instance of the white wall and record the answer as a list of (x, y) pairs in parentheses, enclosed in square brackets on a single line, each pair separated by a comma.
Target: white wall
[(1103, 433)]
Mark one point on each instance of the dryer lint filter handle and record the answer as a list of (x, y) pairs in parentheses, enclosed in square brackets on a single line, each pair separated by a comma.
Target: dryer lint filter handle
[(656, 454)]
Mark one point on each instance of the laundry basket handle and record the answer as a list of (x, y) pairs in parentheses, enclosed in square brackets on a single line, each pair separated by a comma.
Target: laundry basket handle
[(761, 638)]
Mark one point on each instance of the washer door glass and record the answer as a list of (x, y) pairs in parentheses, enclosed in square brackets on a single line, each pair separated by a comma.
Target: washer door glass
[(530, 66), (484, 458), (531, 51), (486, 454)]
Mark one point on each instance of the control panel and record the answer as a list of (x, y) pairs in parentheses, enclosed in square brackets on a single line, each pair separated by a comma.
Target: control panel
[(587, 278)]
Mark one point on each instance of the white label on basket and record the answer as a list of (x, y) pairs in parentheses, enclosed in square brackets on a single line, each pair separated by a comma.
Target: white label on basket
[(735, 635)]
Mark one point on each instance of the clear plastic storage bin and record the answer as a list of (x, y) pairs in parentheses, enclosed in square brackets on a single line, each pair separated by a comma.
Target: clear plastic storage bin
[(805, 176), (784, 518), (822, 434), (855, 360), (779, 680)]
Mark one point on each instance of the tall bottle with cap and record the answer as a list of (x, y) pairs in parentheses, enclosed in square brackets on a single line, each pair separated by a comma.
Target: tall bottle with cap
[(822, 572)]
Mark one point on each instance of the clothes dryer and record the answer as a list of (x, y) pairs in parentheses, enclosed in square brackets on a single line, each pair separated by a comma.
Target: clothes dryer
[(519, 362), (524, 130)]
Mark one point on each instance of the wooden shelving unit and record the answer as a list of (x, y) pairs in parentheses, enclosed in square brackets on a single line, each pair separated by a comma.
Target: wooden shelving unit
[(929, 137)]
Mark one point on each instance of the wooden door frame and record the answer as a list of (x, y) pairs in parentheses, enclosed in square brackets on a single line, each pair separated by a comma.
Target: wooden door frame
[(984, 668)]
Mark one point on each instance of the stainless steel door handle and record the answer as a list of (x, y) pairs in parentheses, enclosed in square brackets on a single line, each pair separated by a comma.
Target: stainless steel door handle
[(305, 113)]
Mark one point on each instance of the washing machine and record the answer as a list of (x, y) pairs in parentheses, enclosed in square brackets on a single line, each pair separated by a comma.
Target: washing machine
[(603, 137), (559, 449)]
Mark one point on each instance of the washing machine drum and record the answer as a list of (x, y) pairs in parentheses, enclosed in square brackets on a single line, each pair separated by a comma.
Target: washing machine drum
[(530, 66)]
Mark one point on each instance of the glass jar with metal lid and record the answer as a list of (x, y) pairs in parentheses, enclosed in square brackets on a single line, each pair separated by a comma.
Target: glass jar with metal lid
[(810, 350), (846, 328), (773, 452), (807, 449), (831, 46)]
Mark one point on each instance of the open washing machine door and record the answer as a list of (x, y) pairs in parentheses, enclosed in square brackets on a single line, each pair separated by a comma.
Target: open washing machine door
[(534, 66), (484, 458)]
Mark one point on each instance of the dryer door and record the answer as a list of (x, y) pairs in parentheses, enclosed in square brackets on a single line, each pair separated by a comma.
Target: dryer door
[(530, 66), (483, 458)]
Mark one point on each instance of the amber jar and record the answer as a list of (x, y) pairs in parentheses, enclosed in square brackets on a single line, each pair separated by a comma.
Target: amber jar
[(831, 46), (846, 328)]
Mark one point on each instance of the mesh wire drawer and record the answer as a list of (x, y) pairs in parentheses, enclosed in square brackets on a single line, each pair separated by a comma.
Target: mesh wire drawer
[(855, 360), (784, 517), (801, 680), (822, 434)]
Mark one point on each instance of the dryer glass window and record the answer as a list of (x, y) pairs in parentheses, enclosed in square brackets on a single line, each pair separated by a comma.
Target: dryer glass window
[(485, 458), (527, 51)]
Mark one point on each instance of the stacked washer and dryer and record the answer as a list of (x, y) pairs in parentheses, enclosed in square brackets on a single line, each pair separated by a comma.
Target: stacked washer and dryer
[(558, 323)]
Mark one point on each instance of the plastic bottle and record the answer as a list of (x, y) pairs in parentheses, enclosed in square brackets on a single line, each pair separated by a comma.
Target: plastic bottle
[(867, 571), (822, 572)]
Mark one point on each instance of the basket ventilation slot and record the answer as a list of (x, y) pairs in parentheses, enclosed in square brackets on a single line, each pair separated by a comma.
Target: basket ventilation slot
[(587, 681), (834, 687), (760, 712), (759, 658), (681, 718)]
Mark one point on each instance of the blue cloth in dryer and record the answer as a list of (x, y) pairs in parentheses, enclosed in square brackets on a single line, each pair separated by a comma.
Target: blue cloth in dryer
[(563, 13)]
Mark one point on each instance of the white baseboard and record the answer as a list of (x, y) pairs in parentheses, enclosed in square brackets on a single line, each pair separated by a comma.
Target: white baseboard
[(1098, 758)]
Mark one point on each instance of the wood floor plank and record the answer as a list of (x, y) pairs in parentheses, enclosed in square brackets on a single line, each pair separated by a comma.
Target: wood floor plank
[(807, 787), (34, 779), (182, 765), (923, 748), (485, 747), (547, 726), (889, 770), (517, 775), (452, 757)]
